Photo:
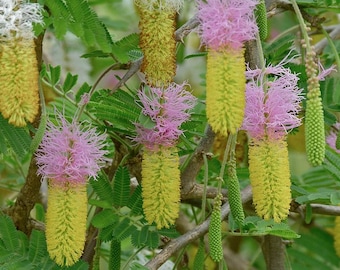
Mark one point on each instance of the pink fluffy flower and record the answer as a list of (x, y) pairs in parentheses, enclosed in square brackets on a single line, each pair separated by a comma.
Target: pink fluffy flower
[(166, 108), (226, 23), (69, 153), (272, 102), (331, 138)]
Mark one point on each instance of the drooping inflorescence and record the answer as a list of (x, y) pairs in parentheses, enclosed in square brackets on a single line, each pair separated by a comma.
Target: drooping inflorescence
[(314, 117), (157, 39), (272, 106), (261, 19), (234, 194), (215, 231), (166, 108), (19, 98), (224, 27), (67, 157)]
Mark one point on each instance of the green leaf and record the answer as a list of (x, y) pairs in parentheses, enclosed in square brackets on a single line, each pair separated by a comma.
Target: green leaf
[(39, 134), (55, 74), (121, 187), (100, 203), (335, 197), (81, 20), (37, 247), (169, 232), (106, 234), (104, 218), (120, 109), (17, 138), (124, 229), (138, 237), (136, 202), (85, 88), (69, 82), (308, 214), (9, 234), (146, 121), (278, 48), (96, 53), (135, 54), (145, 237), (103, 188), (123, 48)]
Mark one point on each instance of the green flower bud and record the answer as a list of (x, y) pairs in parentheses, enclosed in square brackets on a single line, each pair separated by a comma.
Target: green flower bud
[(215, 236), (199, 258), (115, 251), (234, 194), (261, 19)]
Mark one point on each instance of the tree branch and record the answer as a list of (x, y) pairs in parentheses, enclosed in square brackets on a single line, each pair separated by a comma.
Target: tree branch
[(186, 29), (273, 250), (200, 230), (188, 176), (321, 209)]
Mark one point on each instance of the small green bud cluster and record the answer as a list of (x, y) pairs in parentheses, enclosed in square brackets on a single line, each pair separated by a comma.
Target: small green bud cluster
[(234, 194), (314, 118), (215, 236), (199, 258), (115, 253), (261, 19)]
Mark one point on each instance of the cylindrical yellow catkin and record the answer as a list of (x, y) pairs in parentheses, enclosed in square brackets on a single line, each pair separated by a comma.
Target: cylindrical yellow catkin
[(270, 179), (66, 222), (225, 90), (157, 41), (337, 235), (19, 94), (161, 186)]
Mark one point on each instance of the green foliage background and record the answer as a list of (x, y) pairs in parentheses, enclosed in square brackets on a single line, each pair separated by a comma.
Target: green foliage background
[(107, 31)]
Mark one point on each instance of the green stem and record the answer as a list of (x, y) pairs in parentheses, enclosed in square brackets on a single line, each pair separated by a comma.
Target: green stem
[(334, 50), (206, 176), (302, 24)]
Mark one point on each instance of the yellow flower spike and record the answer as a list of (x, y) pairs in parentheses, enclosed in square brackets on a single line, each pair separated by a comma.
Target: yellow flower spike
[(19, 99), (66, 222), (157, 41), (226, 84), (161, 186), (270, 178), (337, 235)]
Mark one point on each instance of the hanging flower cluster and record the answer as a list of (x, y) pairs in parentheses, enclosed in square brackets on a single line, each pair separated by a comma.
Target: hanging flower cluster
[(167, 108), (68, 155), (157, 39), (19, 98), (224, 27), (272, 106)]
